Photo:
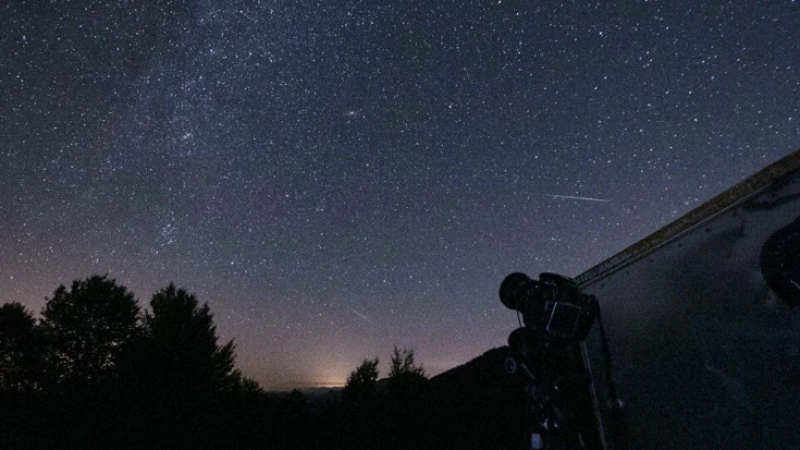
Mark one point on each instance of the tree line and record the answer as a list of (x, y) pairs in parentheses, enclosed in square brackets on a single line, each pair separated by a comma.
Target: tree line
[(95, 371)]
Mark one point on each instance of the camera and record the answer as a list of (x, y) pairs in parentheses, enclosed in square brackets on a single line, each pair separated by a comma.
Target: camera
[(553, 306), (561, 410)]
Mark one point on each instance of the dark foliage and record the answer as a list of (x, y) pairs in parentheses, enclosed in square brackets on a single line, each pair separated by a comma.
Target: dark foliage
[(475, 406), (362, 383), (21, 347), (353, 423), (407, 411), (184, 341), (403, 365), (87, 329), (94, 373), (182, 378)]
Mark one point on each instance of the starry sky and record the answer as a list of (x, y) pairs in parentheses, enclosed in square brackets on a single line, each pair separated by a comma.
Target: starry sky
[(338, 177)]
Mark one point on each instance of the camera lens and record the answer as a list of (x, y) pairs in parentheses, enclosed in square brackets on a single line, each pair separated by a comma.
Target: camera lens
[(515, 289)]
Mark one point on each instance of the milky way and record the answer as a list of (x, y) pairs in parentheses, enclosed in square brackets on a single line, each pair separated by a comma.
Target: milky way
[(294, 162)]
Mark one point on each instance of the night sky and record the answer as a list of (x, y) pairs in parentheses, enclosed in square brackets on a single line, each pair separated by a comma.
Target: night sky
[(335, 178)]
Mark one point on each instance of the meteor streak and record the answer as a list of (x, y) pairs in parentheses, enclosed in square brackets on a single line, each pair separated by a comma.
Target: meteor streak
[(359, 314), (570, 197)]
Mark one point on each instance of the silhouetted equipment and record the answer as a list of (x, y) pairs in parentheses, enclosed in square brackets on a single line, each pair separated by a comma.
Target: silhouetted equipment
[(780, 263), (554, 306), (557, 317)]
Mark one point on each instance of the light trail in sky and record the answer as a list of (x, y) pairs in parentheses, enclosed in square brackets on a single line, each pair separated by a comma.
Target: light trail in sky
[(570, 197), (359, 314)]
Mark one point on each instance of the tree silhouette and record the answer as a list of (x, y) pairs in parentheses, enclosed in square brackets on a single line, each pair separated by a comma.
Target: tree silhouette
[(356, 423), (403, 365), (20, 349), (184, 379), (185, 339), (115, 379), (407, 409), (362, 382), (87, 328)]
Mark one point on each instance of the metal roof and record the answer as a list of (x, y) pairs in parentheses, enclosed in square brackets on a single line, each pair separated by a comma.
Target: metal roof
[(734, 196)]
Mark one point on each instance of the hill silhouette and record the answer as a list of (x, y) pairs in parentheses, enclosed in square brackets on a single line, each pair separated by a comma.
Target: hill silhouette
[(479, 405)]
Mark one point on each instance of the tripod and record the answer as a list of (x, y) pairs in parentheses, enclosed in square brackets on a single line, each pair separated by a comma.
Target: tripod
[(559, 407)]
